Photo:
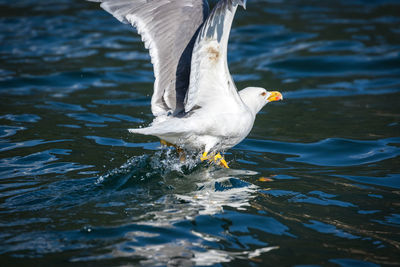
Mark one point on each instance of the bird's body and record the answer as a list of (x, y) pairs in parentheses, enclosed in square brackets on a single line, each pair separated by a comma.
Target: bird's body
[(195, 101), (215, 130)]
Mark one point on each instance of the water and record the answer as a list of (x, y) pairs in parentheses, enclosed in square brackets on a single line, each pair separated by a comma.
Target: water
[(317, 182)]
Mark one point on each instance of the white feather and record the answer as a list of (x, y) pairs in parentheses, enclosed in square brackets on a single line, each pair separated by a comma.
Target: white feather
[(167, 28)]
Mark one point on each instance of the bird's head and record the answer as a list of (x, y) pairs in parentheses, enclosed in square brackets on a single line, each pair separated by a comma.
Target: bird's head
[(256, 97)]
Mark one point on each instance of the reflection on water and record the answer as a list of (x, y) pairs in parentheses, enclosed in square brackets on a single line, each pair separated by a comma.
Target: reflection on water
[(201, 190), (316, 182), (193, 195)]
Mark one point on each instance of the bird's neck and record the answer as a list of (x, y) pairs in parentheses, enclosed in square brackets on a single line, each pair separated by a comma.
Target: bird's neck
[(248, 100)]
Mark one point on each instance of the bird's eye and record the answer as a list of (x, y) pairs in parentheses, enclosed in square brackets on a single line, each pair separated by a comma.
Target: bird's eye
[(263, 93)]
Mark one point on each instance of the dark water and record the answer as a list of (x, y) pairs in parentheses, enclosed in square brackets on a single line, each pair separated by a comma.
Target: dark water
[(317, 182)]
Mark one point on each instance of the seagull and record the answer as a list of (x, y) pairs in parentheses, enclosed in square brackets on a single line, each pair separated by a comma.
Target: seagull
[(195, 102)]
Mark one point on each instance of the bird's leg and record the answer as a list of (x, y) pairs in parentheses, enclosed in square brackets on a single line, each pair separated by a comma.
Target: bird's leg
[(165, 143), (182, 155)]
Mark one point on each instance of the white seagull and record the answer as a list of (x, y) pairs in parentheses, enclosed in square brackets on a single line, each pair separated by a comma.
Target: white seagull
[(195, 101)]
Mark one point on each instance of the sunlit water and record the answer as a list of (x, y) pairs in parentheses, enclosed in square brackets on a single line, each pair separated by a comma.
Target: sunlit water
[(317, 182)]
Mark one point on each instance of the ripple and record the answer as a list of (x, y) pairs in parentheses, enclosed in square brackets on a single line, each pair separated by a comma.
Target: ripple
[(69, 126), (323, 199), (56, 83), (136, 102), (319, 93), (91, 117), (38, 163), (337, 45), (131, 55), (106, 198), (6, 74), (329, 229), (53, 105), (353, 262), (5, 146), (389, 180), (329, 152), (6, 130), (261, 223), (334, 66), (21, 117), (125, 118), (393, 219), (106, 141)]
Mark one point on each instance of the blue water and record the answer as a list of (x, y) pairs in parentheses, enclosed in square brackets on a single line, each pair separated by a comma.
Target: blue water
[(315, 183)]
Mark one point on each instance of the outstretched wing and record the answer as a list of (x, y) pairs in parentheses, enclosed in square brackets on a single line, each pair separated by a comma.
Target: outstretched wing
[(168, 29), (211, 84)]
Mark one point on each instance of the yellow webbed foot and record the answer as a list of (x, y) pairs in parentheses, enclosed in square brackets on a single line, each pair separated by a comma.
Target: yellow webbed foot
[(218, 159), (204, 156), (221, 161)]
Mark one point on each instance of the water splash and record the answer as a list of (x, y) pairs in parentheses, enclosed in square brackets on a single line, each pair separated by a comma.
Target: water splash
[(160, 164)]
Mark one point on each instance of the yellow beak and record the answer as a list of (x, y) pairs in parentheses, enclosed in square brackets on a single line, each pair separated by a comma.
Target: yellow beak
[(274, 96)]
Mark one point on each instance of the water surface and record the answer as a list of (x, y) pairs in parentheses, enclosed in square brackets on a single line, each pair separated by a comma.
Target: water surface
[(317, 181)]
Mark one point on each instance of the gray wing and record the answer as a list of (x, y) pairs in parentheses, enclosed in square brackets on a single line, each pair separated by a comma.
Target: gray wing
[(168, 29), (211, 84)]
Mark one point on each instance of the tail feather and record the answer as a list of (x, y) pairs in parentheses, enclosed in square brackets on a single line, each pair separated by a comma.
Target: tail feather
[(156, 131), (145, 131), (170, 128)]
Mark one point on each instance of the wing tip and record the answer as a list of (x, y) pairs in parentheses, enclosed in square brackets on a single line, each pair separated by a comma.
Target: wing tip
[(243, 3), (107, 6), (237, 3)]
